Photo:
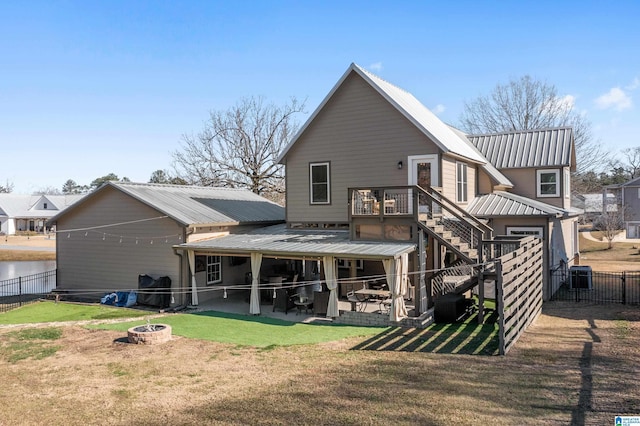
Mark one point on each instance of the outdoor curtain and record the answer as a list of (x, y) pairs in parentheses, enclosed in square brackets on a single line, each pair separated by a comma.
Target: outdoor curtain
[(396, 272), (330, 278), (194, 284), (256, 263)]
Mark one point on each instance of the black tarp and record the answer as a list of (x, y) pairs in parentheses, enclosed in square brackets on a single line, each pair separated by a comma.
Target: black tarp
[(154, 291)]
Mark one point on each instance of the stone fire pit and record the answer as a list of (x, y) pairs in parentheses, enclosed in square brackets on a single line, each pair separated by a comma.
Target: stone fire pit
[(150, 334)]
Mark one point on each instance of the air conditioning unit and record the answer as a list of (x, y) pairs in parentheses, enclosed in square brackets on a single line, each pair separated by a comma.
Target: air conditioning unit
[(580, 277)]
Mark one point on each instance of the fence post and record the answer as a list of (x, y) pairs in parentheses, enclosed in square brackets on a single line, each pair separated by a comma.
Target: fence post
[(624, 288), (500, 306), (20, 291)]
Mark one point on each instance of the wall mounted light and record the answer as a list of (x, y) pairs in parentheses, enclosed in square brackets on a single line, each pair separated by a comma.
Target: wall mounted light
[(399, 164)]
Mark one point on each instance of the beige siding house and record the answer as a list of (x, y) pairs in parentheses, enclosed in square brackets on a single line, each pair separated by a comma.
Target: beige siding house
[(122, 230), (378, 185)]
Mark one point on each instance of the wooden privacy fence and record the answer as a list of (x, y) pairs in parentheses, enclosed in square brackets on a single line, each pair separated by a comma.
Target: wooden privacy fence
[(518, 277)]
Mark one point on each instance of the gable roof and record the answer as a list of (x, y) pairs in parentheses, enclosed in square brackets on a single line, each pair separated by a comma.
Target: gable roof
[(421, 117), (26, 206), (632, 182), (197, 205), (552, 147), (501, 203)]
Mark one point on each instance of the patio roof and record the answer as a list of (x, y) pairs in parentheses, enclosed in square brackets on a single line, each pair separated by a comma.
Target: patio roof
[(280, 241)]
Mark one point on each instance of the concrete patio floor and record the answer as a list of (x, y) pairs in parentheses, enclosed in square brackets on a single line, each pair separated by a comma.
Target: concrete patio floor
[(237, 303)]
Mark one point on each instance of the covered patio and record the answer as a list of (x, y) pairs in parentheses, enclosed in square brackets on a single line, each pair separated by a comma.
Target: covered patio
[(320, 247)]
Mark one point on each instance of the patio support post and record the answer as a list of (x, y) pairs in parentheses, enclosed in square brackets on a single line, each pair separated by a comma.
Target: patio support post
[(256, 263), (330, 278), (194, 285)]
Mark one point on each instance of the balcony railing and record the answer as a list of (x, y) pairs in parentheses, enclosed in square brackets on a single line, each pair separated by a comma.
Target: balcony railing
[(428, 207)]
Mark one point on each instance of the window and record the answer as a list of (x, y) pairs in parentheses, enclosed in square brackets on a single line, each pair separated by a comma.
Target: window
[(319, 183), (567, 184), (461, 182), (547, 182), (214, 269), (45, 206)]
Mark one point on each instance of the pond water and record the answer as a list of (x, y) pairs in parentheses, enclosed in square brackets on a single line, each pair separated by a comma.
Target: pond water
[(10, 270)]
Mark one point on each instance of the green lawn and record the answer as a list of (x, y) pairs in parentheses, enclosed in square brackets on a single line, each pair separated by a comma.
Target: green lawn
[(53, 312), (247, 330)]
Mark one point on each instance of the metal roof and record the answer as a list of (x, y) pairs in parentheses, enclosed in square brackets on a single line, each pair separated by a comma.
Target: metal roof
[(278, 240), (529, 148), (197, 205), (496, 176), (501, 203), (26, 206), (426, 121)]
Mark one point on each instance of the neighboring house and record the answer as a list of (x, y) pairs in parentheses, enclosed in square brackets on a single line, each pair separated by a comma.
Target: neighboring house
[(31, 212), (593, 205), (627, 196), (378, 184), (122, 230)]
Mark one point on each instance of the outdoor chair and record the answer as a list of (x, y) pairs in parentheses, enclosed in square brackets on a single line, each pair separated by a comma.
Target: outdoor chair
[(358, 302)]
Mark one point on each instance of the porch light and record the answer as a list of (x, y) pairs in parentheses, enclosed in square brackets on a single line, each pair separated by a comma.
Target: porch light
[(224, 294), (399, 164)]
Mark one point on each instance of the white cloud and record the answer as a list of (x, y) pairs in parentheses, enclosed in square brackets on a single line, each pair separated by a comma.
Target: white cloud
[(615, 98), (439, 109), (377, 67), (634, 84)]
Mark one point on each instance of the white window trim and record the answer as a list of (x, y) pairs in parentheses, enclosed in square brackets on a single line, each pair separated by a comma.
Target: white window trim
[(328, 166), (530, 230), (539, 183), (464, 196), (219, 262), (567, 184)]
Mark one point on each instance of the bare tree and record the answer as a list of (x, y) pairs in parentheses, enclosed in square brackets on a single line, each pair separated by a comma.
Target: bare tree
[(611, 222), (48, 190), (527, 103), (632, 165), (7, 188), (239, 147)]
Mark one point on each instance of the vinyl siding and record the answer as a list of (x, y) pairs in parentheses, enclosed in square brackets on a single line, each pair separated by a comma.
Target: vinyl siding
[(99, 261), (364, 138), (632, 203), (525, 184)]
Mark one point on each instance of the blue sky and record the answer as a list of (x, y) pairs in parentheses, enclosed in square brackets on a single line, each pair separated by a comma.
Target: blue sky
[(88, 88)]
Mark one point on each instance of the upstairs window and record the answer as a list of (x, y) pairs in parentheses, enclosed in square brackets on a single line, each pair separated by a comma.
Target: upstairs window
[(45, 206), (214, 269), (319, 185), (548, 184), (461, 182)]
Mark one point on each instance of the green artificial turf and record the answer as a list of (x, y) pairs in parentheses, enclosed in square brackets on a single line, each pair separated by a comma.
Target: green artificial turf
[(48, 311), (248, 330)]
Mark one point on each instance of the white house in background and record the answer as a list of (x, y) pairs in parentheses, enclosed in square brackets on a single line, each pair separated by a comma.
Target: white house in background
[(31, 212)]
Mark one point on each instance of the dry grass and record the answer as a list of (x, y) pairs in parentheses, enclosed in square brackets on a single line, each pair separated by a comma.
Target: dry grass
[(34, 242), (575, 364), (623, 256)]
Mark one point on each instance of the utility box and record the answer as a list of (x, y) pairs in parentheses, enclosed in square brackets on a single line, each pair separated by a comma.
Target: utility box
[(580, 277)]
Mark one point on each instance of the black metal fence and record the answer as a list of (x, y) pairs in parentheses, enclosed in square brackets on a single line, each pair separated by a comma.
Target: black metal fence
[(18, 291), (584, 285)]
